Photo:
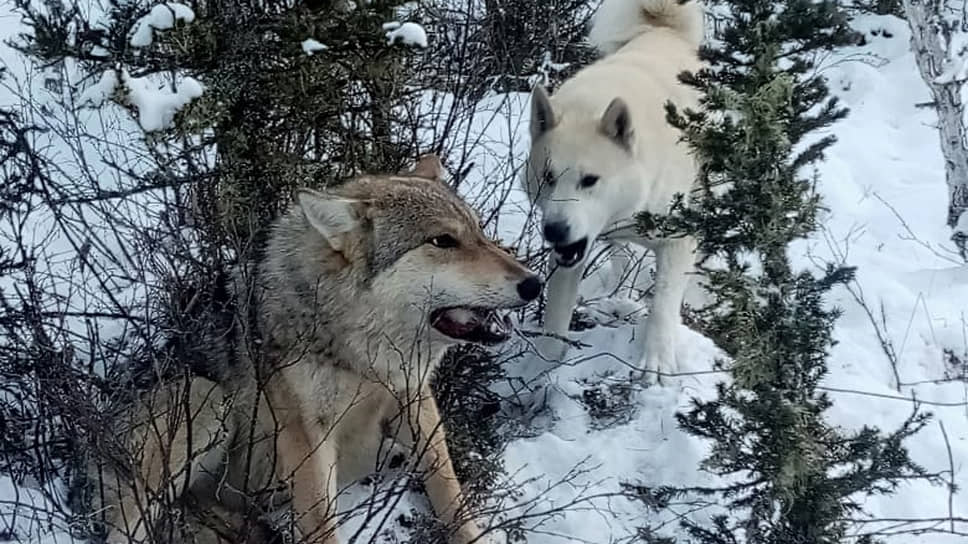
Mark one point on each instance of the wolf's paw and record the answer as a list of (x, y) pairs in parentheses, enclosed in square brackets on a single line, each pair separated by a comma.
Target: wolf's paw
[(471, 533), (492, 538)]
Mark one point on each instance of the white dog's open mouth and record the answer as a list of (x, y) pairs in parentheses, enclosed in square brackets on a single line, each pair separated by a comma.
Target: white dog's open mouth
[(478, 325), (571, 254)]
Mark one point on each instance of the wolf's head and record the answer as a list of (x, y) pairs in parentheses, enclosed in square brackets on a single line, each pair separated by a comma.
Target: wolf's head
[(417, 254), (583, 173)]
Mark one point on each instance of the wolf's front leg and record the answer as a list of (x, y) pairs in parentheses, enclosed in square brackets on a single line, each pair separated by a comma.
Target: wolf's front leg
[(424, 435), (657, 337), (562, 294), (308, 464)]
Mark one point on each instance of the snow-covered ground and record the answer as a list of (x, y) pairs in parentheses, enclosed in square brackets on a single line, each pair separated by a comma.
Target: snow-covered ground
[(884, 185)]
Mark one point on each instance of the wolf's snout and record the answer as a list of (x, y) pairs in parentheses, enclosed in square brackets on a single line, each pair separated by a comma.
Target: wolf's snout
[(556, 232), (530, 288)]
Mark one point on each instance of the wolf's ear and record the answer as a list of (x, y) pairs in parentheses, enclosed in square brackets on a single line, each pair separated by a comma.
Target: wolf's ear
[(428, 167), (542, 116), (334, 217), (616, 123)]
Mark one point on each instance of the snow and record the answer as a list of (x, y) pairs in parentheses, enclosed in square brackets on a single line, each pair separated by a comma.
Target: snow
[(311, 46), (156, 104), (161, 17), (548, 66), (883, 183), (114, 274), (30, 515), (96, 94), (408, 33)]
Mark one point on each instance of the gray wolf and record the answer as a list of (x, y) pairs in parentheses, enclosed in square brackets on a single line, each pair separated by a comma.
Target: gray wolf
[(360, 291), (602, 151)]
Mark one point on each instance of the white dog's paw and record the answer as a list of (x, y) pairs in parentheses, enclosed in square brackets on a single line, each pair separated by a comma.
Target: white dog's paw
[(658, 348), (550, 349), (659, 362), (658, 367)]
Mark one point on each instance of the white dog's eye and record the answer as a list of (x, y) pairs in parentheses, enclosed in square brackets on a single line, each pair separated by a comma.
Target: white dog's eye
[(588, 181), (444, 241)]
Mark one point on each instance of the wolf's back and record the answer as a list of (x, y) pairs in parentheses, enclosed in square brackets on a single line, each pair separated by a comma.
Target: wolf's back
[(617, 22)]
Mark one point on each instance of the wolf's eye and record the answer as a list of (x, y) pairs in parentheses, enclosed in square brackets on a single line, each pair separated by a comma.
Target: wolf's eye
[(444, 241), (588, 181), (549, 178)]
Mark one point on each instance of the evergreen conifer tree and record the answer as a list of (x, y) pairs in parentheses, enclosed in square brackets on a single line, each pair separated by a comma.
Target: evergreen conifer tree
[(272, 115), (278, 112), (793, 477)]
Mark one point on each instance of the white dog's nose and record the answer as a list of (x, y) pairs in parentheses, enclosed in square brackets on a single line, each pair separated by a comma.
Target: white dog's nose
[(556, 232)]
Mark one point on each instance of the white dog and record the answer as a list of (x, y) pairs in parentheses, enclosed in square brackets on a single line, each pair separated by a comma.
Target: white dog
[(602, 151)]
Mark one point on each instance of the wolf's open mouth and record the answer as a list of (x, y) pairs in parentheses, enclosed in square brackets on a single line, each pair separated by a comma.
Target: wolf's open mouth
[(571, 254), (478, 325)]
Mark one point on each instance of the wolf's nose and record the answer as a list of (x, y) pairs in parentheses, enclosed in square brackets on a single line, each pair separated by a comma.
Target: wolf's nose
[(530, 288), (556, 233)]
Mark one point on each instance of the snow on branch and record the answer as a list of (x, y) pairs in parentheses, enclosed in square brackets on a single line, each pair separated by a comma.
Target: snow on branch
[(408, 33), (953, 39), (161, 17), (99, 92), (156, 103), (311, 46)]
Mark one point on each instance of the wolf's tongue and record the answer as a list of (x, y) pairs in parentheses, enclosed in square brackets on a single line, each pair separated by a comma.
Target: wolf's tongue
[(484, 326), (457, 322)]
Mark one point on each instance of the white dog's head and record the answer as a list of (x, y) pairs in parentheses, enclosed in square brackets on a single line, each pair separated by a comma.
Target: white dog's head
[(582, 172)]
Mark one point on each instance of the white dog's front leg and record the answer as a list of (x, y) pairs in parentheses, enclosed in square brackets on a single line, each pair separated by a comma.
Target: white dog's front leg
[(562, 293), (674, 260), (621, 264)]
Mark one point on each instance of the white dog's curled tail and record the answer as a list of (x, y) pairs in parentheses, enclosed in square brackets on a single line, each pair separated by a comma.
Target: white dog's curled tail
[(617, 22)]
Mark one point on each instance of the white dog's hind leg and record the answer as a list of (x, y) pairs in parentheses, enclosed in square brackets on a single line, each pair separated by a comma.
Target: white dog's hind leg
[(674, 260)]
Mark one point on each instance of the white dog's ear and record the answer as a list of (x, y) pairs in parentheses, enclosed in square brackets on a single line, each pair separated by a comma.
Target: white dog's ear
[(542, 116), (616, 123), (333, 216)]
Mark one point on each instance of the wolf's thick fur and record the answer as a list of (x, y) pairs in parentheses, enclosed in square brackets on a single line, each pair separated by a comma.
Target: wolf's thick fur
[(341, 305), (601, 151)]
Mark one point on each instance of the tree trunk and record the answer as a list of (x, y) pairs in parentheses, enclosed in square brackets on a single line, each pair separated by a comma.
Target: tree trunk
[(926, 22)]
